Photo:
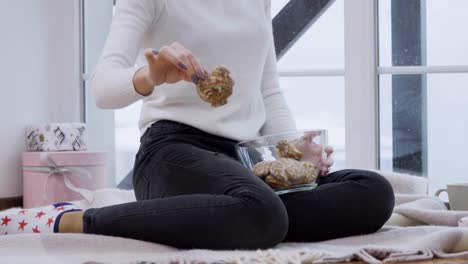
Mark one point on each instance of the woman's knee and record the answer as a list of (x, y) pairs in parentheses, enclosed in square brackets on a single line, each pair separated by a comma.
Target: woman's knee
[(380, 195), (266, 220)]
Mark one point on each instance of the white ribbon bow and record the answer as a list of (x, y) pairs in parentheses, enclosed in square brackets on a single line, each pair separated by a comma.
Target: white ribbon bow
[(66, 171)]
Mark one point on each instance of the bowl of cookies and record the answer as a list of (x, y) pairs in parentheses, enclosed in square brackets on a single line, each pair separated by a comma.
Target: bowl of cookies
[(287, 162)]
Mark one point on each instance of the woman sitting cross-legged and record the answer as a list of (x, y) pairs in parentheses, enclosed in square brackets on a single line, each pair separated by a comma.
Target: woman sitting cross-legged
[(191, 190)]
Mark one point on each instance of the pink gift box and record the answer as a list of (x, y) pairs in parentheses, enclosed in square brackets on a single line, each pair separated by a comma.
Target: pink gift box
[(50, 177)]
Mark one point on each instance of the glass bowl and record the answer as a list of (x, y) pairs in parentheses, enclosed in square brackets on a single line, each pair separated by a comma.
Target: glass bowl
[(287, 162)]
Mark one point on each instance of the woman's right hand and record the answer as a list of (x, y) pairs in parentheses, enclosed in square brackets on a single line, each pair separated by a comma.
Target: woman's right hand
[(170, 64)]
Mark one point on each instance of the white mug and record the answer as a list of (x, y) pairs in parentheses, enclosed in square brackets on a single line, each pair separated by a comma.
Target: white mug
[(458, 196)]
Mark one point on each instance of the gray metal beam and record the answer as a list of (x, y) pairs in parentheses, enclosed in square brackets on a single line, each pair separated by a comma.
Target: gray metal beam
[(409, 91), (294, 20)]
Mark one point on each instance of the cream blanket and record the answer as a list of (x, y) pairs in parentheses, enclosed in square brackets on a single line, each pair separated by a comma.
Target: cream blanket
[(418, 240)]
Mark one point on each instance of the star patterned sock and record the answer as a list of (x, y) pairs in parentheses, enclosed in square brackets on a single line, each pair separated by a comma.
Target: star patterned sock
[(34, 220)]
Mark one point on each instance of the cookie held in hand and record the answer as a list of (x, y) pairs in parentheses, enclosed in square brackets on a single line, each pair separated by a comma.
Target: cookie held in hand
[(217, 87)]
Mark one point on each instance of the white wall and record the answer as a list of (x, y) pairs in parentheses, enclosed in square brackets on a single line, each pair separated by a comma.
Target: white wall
[(39, 49)]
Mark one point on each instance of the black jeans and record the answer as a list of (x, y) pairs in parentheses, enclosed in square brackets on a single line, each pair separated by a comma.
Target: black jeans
[(192, 192)]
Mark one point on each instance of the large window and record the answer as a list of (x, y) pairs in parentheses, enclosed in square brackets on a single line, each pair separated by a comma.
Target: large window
[(311, 70), (399, 105), (423, 88), (312, 76)]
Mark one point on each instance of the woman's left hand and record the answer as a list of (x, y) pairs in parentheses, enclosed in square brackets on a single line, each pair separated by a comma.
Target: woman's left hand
[(313, 153)]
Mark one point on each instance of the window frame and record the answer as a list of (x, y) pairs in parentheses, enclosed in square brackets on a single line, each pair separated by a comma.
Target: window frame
[(361, 74), (361, 84), (98, 122), (362, 80)]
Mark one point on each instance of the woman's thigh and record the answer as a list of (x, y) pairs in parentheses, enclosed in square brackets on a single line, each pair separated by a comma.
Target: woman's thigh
[(190, 197), (179, 168), (347, 202)]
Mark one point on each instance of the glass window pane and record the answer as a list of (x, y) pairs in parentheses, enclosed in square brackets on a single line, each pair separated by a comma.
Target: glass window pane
[(127, 138), (443, 32), (445, 141), (97, 20), (322, 46), (313, 106), (276, 6)]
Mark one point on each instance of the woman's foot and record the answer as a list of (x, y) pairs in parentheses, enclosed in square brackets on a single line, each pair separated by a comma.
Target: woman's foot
[(34, 220)]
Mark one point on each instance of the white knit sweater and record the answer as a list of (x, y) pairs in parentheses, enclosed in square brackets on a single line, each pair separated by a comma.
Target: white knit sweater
[(236, 34)]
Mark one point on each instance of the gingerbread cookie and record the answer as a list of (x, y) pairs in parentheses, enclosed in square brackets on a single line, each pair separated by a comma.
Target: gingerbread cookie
[(217, 87), (285, 172), (288, 150)]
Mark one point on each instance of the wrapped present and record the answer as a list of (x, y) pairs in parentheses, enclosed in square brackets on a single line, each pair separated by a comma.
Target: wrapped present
[(56, 137), (50, 177)]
